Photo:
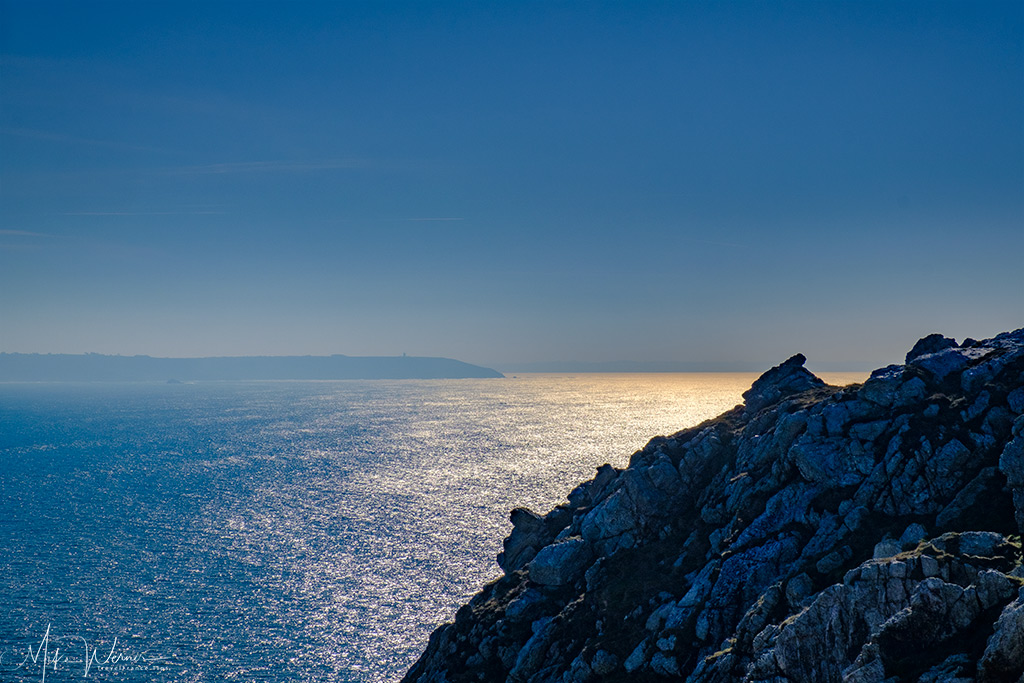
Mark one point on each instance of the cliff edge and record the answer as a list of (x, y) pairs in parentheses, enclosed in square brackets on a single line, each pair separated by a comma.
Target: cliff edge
[(814, 533)]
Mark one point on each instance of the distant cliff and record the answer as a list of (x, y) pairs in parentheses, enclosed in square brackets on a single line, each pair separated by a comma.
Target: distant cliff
[(91, 367), (860, 534)]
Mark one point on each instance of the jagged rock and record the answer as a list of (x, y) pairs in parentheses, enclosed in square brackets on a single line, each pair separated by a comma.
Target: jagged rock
[(588, 492), (527, 535), (603, 662), (913, 534), (664, 664), (886, 548), (560, 563), (636, 658), (531, 656), (828, 462), (612, 519), (1015, 400), (933, 343), (948, 671), (527, 606), (798, 589), (893, 609), (940, 365), (980, 543), (910, 392), (881, 387), (865, 534), (981, 374), (975, 494), (530, 532), (1011, 464), (1004, 651), (783, 380)]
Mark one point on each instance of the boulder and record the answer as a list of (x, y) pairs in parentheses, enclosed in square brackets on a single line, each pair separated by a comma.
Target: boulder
[(561, 563), (782, 380), (1004, 651), (933, 343)]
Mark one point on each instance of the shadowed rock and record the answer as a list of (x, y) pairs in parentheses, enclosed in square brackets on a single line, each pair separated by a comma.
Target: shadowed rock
[(783, 380), (862, 534), (933, 343)]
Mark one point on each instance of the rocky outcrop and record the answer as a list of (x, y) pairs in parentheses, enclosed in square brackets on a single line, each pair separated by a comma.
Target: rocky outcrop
[(861, 534)]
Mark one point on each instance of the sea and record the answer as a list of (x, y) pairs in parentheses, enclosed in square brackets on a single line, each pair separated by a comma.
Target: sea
[(288, 531)]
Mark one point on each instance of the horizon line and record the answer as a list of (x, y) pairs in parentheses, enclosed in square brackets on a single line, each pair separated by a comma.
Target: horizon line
[(530, 367)]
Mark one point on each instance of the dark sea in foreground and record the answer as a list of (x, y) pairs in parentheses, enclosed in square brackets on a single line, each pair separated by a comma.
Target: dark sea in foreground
[(287, 531)]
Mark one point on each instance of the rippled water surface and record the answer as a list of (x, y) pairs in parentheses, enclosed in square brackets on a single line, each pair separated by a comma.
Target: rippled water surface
[(287, 531)]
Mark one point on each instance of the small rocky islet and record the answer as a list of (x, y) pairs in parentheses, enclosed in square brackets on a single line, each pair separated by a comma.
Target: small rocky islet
[(860, 534)]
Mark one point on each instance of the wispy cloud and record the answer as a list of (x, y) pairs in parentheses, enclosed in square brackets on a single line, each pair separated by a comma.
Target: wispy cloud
[(50, 136), (6, 246), (716, 243), (22, 233), (278, 166), (143, 213)]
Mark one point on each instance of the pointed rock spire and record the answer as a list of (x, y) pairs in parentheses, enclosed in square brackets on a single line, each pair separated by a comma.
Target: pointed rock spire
[(783, 380)]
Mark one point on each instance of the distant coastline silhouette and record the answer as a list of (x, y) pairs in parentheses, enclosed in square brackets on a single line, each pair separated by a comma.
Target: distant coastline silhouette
[(93, 367)]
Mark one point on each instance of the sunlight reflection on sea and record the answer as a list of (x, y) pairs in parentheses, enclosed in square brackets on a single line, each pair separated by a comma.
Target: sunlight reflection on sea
[(290, 530)]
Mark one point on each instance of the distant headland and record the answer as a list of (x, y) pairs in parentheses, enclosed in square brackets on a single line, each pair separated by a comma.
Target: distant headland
[(94, 367)]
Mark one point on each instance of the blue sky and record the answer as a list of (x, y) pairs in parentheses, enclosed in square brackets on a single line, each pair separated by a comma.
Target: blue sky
[(510, 182)]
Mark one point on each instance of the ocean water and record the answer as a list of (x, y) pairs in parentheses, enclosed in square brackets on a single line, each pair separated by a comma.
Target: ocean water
[(287, 531)]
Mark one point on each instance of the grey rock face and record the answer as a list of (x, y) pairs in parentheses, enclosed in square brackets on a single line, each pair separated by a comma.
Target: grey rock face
[(530, 532), (1005, 648), (882, 386), (603, 663), (866, 533), (560, 563), (783, 380), (933, 343), (1011, 464), (531, 656), (928, 597)]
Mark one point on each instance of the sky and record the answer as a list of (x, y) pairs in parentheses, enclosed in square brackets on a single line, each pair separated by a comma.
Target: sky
[(511, 182)]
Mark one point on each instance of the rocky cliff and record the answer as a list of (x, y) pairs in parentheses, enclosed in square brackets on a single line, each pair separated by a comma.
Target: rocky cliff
[(815, 533)]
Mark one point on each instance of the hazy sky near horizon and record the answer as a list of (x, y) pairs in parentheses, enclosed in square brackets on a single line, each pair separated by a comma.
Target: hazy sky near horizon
[(508, 182)]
